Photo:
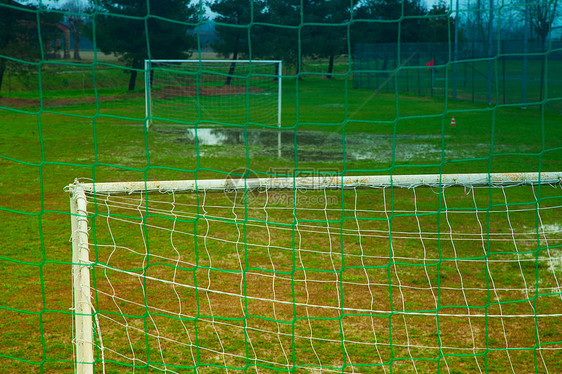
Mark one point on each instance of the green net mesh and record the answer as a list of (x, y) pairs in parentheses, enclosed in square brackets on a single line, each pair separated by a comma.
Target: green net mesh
[(438, 278)]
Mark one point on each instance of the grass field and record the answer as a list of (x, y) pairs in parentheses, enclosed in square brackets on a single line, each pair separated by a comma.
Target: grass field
[(89, 127)]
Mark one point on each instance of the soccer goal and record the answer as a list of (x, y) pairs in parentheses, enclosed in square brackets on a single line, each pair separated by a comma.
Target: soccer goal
[(416, 273), (211, 92)]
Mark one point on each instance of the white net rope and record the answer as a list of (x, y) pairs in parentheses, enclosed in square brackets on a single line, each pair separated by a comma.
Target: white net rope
[(354, 280), (201, 92)]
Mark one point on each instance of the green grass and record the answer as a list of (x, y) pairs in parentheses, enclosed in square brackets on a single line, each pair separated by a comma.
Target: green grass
[(45, 147)]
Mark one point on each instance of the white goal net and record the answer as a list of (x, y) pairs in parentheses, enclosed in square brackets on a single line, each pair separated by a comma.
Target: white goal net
[(419, 273), (211, 92)]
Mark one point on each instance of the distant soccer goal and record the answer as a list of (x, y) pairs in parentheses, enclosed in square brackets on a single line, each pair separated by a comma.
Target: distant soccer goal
[(370, 274), (211, 92)]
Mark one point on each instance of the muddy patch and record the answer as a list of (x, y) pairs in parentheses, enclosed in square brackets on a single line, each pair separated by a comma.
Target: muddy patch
[(14, 102), (315, 145), (170, 92)]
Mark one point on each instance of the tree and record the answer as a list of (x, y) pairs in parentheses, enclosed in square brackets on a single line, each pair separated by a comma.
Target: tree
[(441, 25), (282, 39), (541, 14), (329, 37), (490, 52), (75, 21), (480, 28), (237, 34), (443, 29), (235, 26), (120, 28), (391, 21), (20, 35), (282, 29)]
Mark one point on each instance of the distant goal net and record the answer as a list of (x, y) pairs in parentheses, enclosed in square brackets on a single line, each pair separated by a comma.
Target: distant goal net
[(213, 92), (370, 274)]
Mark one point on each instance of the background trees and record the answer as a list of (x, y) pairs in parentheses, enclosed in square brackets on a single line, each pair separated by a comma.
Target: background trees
[(389, 21), (293, 29), (19, 34), (282, 29), (542, 14), (441, 25), (237, 31), (283, 32), (133, 39), (75, 20), (236, 27), (329, 29)]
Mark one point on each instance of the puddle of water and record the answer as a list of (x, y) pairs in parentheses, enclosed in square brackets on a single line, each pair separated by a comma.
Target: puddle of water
[(552, 256), (333, 105), (321, 146), (207, 136), (555, 228)]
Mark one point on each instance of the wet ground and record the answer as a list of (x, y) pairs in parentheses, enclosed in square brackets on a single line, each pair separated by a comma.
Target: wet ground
[(330, 147), (317, 145)]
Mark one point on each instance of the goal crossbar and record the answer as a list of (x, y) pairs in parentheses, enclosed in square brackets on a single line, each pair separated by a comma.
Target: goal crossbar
[(147, 62), (324, 182)]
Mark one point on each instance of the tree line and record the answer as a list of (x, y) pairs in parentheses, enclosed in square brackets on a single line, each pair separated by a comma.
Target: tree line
[(291, 30), (20, 36), (287, 30)]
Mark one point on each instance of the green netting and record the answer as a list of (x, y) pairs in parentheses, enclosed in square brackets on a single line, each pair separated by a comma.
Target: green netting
[(356, 280)]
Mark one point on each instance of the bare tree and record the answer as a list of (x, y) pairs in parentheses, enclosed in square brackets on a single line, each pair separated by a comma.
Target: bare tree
[(24, 36), (542, 14), (480, 28), (75, 20), (490, 52)]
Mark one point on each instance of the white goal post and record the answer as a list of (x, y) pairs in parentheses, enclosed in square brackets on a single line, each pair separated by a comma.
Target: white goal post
[(213, 92), (322, 273)]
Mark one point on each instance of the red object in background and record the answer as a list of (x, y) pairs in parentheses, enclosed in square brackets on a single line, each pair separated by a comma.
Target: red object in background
[(430, 63), (453, 123)]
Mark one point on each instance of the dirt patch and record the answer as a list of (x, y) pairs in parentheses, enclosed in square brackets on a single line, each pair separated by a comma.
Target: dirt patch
[(57, 102), (169, 92), (15, 102)]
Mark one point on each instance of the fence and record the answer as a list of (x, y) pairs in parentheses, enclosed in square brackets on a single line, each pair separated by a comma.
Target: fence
[(503, 72)]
